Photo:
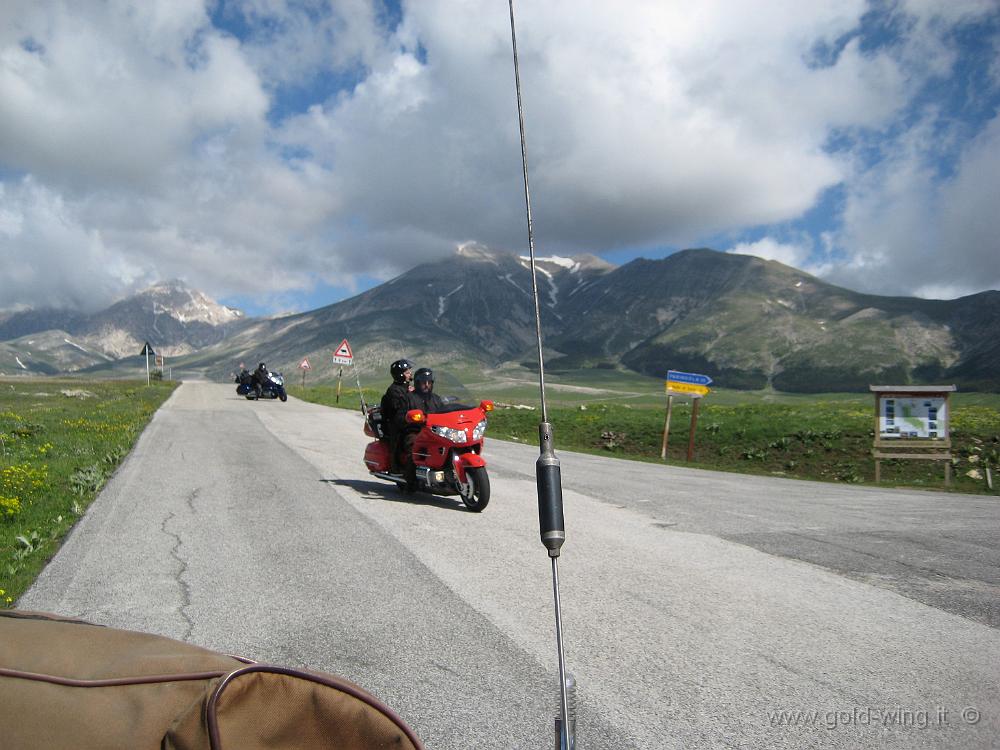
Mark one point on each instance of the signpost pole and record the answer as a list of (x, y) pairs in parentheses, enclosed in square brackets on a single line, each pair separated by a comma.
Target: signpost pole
[(340, 375), (147, 365), (694, 424), (666, 426), (695, 385)]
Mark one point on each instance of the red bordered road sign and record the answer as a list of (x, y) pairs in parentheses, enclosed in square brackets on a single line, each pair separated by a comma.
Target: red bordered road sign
[(343, 355)]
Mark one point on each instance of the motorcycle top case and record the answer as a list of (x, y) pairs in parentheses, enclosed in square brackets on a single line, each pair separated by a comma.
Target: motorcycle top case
[(66, 683)]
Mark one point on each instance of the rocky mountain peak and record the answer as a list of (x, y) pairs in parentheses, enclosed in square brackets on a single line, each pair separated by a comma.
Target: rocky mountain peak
[(184, 304), (475, 251)]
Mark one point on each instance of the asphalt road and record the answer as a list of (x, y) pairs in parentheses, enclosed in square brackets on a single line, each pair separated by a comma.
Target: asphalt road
[(697, 606)]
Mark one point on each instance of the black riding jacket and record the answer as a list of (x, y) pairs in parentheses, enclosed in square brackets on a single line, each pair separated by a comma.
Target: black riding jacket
[(395, 402), (428, 403)]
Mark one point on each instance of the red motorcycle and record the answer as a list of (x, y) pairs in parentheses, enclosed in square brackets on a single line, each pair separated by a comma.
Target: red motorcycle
[(446, 452)]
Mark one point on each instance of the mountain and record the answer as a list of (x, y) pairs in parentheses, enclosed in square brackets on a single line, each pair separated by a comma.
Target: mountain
[(746, 322), (750, 323), (180, 320), (47, 353), (472, 309)]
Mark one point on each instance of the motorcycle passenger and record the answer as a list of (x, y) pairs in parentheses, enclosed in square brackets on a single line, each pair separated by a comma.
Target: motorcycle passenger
[(260, 378), (394, 405)]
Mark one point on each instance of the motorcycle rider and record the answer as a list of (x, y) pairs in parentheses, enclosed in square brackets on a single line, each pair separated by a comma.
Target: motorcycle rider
[(260, 378), (394, 405), (423, 398)]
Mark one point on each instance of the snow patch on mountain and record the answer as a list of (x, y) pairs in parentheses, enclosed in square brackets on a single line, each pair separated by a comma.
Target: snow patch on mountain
[(443, 301), (569, 264), (506, 277), (553, 290)]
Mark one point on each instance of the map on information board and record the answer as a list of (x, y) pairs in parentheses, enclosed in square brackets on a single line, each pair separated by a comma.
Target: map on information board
[(916, 417)]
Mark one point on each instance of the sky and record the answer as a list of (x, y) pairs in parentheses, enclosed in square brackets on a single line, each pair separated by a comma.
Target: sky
[(281, 155)]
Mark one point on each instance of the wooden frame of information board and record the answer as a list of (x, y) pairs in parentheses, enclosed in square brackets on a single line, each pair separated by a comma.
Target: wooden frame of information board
[(912, 422)]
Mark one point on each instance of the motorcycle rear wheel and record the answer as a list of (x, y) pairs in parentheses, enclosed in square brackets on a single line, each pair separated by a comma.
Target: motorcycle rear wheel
[(475, 491)]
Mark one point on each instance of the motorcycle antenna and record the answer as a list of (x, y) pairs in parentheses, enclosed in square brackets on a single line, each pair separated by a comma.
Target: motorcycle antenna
[(357, 377), (548, 480)]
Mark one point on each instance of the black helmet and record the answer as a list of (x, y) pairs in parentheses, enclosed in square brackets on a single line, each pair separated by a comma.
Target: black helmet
[(397, 368), (261, 366), (424, 373)]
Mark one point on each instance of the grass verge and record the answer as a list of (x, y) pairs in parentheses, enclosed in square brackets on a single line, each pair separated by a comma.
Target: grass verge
[(60, 441)]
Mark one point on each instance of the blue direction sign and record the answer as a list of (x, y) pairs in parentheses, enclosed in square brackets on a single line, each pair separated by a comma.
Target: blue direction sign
[(688, 377)]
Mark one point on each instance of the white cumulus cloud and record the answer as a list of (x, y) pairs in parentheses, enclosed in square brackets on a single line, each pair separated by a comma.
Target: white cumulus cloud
[(264, 147)]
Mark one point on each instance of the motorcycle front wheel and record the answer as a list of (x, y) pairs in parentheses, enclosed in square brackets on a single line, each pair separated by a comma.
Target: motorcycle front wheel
[(475, 491)]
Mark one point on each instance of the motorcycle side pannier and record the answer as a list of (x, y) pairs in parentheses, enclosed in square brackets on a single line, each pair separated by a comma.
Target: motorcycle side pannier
[(66, 683), (373, 423)]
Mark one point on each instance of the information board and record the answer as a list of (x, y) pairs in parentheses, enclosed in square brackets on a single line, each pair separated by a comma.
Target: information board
[(910, 417)]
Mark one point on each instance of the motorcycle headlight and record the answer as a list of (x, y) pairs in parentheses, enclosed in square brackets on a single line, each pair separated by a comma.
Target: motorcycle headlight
[(455, 436), (479, 431)]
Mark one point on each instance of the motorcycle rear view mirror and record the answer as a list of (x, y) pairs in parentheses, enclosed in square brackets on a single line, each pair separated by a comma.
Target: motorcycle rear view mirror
[(415, 416)]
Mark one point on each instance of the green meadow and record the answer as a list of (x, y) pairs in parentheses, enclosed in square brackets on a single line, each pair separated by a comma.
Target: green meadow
[(60, 441)]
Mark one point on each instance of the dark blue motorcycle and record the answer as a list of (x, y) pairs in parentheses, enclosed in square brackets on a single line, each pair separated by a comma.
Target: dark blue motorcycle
[(273, 388)]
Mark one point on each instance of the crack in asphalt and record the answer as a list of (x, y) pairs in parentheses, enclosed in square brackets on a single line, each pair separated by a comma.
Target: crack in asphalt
[(811, 677), (184, 587)]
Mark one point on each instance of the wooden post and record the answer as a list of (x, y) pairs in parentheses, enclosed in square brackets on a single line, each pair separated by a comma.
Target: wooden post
[(666, 426), (875, 432), (340, 374), (694, 425)]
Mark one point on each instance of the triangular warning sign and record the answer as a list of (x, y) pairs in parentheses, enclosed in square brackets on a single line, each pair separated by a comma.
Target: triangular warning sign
[(304, 364), (344, 350)]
